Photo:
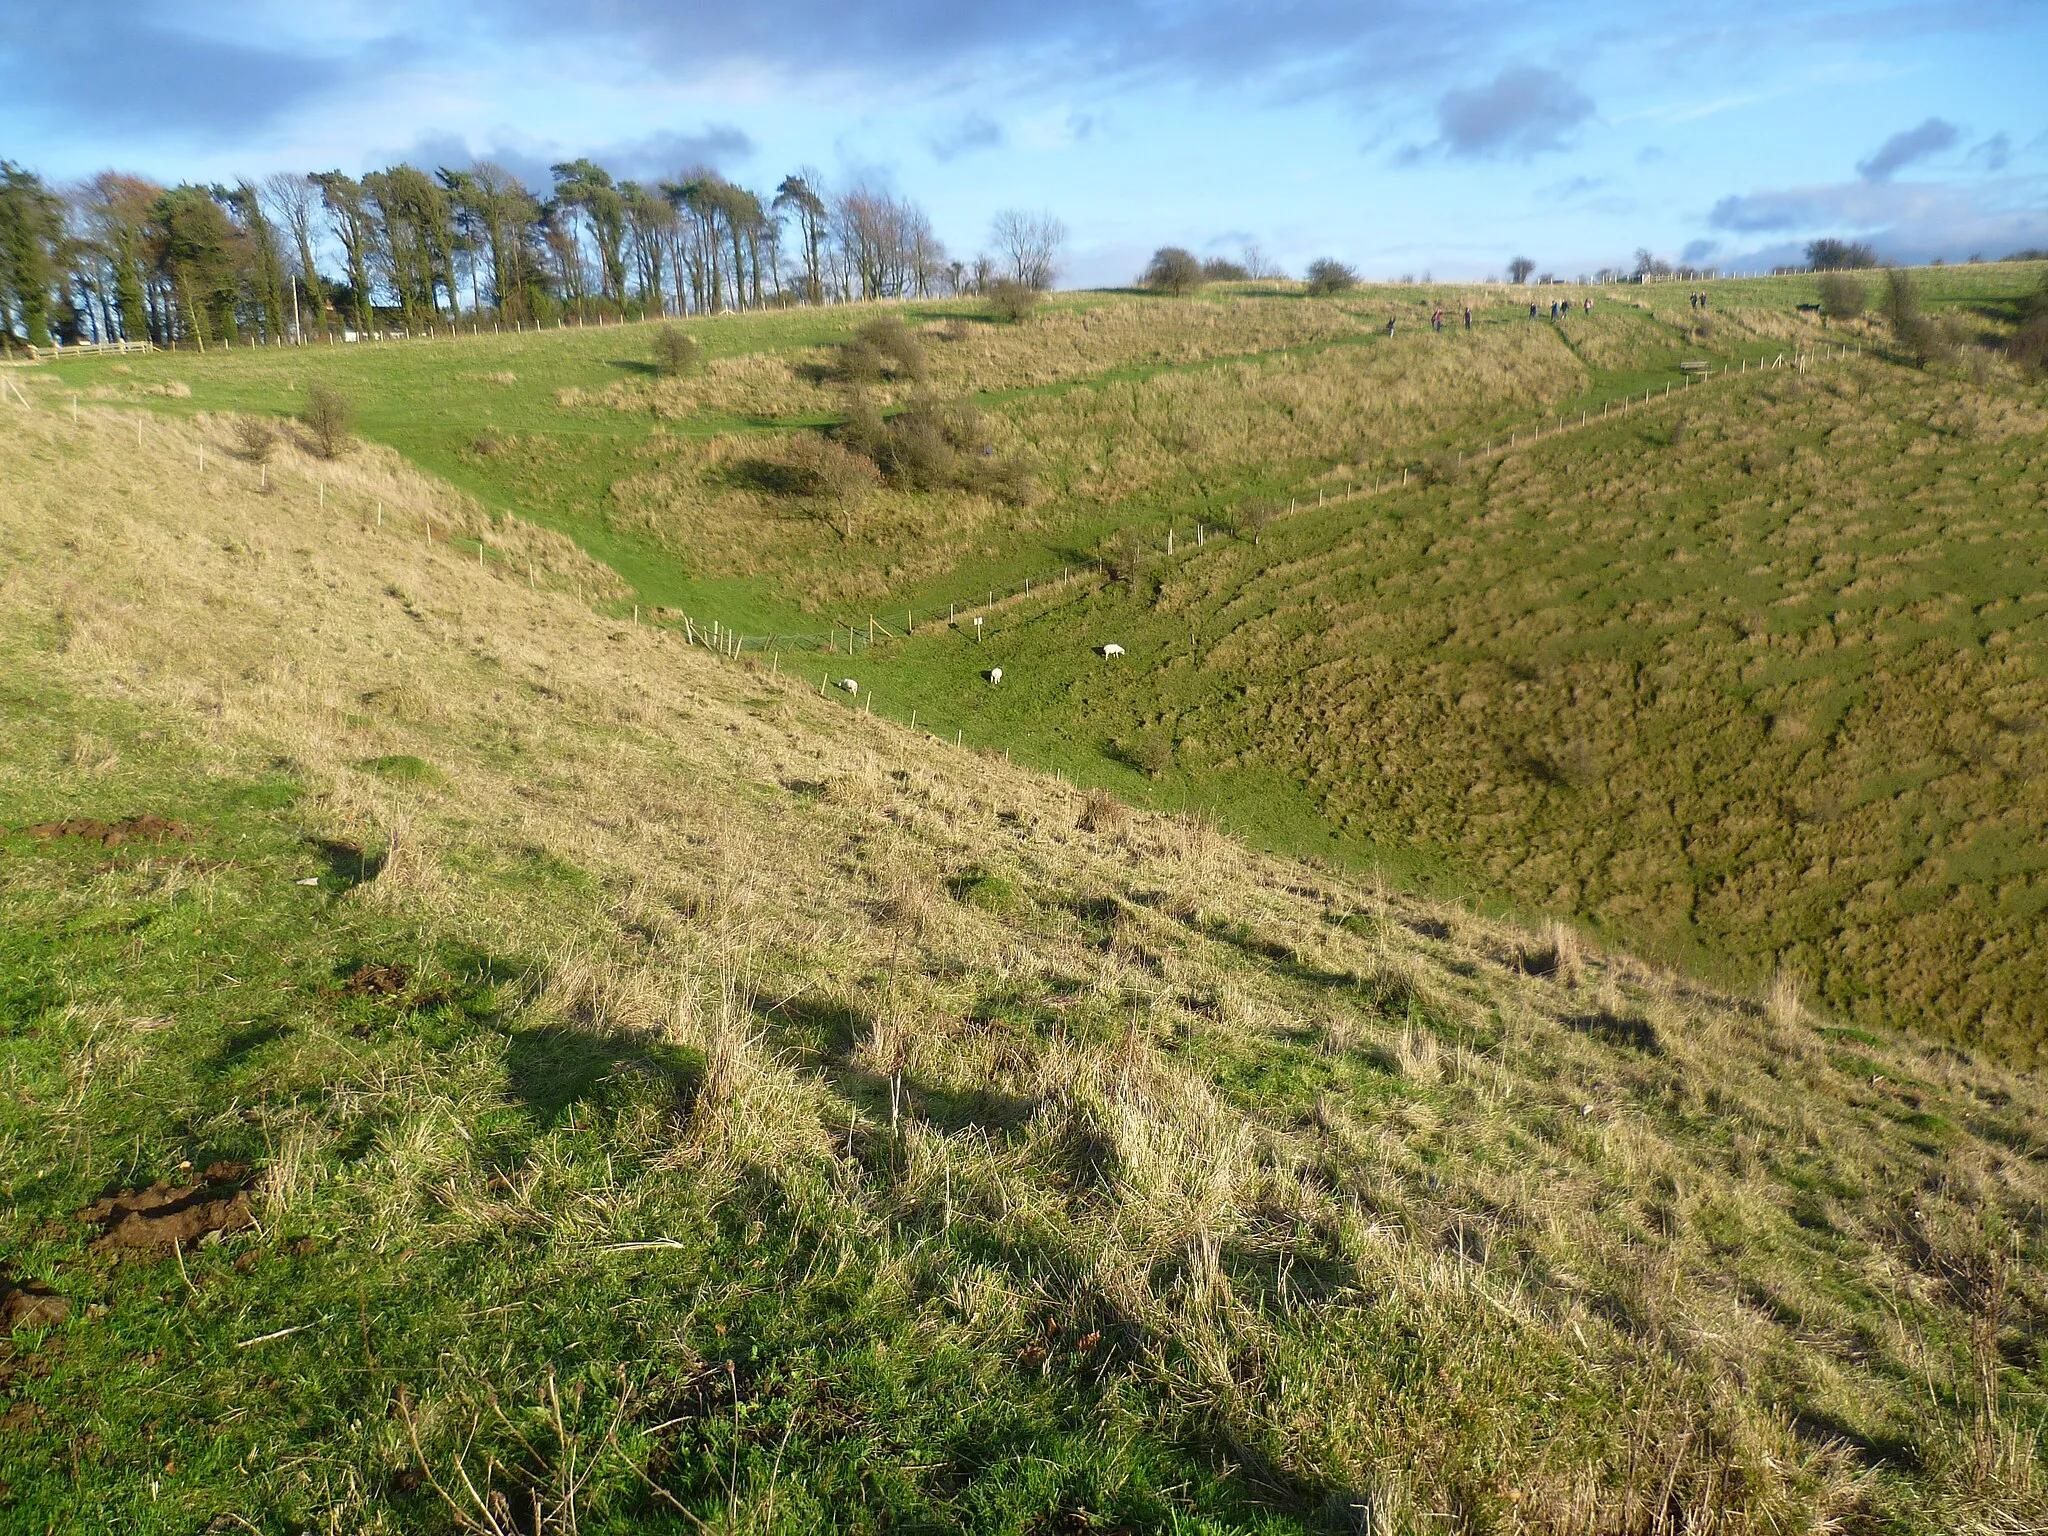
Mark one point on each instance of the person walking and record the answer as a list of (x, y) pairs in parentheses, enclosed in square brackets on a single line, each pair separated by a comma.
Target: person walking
[(1390, 327), (1468, 317)]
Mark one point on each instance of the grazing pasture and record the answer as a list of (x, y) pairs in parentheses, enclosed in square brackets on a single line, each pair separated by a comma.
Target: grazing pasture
[(475, 1062)]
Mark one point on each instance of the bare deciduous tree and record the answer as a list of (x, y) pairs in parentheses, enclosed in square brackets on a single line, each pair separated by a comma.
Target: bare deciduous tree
[(1031, 243)]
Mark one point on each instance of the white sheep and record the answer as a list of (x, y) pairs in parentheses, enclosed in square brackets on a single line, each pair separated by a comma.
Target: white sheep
[(849, 685), (1112, 649), (995, 675)]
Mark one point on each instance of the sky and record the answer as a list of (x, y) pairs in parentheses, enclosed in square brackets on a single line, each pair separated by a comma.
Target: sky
[(1405, 138)]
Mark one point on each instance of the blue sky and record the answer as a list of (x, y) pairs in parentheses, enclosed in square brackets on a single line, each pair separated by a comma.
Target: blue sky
[(1400, 136)]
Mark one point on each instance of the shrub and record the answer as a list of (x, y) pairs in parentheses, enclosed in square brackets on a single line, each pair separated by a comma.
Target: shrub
[(1842, 298), (675, 352), (1217, 270), (256, 438), (932, 446), (1327, 276), (1519, 269), (2029, 344), (1012, 301), (327, 417), (1150, 752), (1128, 558), (884, 347), (1172, 270), (1103, 812), (827, 471)]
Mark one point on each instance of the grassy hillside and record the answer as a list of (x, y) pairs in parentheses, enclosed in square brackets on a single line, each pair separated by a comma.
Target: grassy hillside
[(545, 1078), (1126, 410), (1753, 676)]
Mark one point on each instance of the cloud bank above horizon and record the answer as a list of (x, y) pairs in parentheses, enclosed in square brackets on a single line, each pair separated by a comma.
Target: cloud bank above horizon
[(1402, 137)]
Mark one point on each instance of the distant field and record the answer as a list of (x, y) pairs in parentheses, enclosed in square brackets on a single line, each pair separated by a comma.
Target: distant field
[(1759, 676)]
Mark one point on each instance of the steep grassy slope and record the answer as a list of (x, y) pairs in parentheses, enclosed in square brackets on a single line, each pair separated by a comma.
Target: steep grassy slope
[(671, 1101), (1758, 674), (1128, 410)]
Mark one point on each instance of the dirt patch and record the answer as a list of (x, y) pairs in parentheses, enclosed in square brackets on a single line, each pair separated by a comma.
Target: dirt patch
[(146, 828), (166, 1216), (30, 1304), (368, 980)]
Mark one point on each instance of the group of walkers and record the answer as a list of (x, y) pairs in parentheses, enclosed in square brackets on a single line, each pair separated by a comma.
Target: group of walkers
[(1558, 307), (1436, 318), (1697, 300)]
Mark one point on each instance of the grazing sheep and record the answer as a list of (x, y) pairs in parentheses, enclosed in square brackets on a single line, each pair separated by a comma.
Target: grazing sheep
[(994, 675), (1112, 649), (849, 685)]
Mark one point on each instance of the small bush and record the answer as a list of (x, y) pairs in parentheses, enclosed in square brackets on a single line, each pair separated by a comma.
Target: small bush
[(1102, 813), (883, 348), (827, 471), (1218, 270), (1842, 297), (1328, 276), (255, 438), (2029, 344), (675, 352), (1150, 752), (1012, 301), (327, 417), (1128, 558), (1172, 271)]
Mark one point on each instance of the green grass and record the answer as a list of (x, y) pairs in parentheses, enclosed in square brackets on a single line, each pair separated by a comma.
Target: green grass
[(763, 1119), (188, 1003), (482, 413), (1765, 696)]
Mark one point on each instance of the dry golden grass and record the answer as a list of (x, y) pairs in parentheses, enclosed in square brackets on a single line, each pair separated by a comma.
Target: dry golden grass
[(1542, 1244)]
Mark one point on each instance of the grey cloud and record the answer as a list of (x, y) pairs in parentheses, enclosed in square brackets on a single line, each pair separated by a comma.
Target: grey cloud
[(1698, 250), (1521, 112), (128, 68), (1902, 149), (1907, 222), (972, 132), (1994, 153)]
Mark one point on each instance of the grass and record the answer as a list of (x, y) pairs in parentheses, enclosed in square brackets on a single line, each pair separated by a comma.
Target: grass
[(1750, 678), (1134, 410), (697, 1106)]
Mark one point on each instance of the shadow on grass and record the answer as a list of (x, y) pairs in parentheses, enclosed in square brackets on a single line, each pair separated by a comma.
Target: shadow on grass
[(348, 864), (551, 1070)]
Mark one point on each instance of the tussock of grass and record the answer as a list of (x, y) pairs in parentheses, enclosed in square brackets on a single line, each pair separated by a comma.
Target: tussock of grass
[(715, 1157)]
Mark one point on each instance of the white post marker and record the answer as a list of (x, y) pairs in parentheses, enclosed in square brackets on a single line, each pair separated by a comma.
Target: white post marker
[(977, 629)]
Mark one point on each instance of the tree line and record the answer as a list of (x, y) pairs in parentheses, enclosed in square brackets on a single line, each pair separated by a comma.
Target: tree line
[(295, 257)]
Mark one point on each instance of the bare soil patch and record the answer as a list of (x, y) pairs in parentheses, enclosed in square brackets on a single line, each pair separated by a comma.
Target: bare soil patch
[(146, 828), (165, 1216), (30, 1304), (371, 980)]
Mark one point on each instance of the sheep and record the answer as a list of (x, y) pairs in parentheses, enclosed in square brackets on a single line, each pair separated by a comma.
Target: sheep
[(994, 675), (1112, 649), (849, 685)]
